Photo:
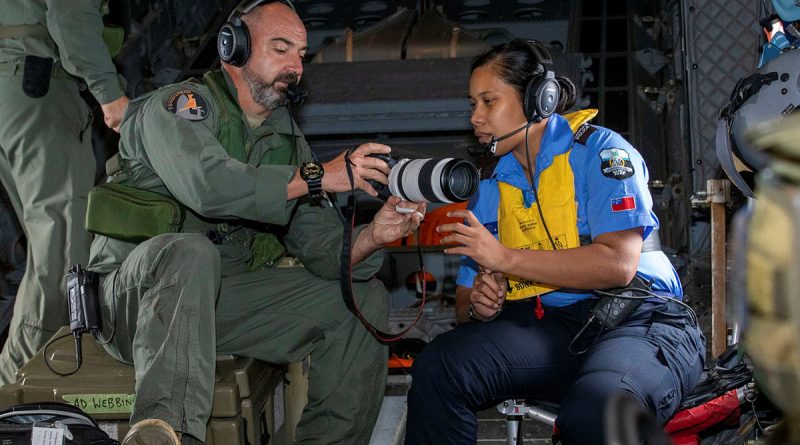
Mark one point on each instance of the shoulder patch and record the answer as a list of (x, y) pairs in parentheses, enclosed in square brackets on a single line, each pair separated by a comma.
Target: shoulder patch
[(187, 104), (616, 163), (583, 133)]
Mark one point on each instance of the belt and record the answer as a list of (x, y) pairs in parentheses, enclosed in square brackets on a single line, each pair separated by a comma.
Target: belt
[(37, 31), (17, 67)]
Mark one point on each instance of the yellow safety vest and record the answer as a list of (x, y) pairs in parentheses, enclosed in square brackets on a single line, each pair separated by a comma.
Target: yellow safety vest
[(520, 227)]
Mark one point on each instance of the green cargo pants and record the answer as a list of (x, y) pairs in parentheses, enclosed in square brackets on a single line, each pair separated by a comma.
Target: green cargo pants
[(166, 324), (47, 167)]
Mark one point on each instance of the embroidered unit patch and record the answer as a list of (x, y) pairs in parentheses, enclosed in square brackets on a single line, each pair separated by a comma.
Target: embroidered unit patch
[(616, 163), (187, 104), (623, 204)]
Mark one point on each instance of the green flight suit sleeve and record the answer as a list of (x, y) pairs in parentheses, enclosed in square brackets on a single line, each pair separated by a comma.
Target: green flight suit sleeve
[(315, 237), (77, 29), (197, 170)]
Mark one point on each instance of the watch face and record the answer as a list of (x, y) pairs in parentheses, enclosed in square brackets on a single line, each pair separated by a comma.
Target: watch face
[(311, 170)]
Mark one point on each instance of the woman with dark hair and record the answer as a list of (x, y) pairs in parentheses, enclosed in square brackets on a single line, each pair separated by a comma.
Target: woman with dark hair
[(566, 212)]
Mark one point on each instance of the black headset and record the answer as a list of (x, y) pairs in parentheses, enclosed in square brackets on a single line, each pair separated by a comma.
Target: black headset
[(542, 91), (233, 40)]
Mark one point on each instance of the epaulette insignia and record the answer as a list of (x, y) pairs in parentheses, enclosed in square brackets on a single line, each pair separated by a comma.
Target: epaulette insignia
[(187, 104), (583, 133)]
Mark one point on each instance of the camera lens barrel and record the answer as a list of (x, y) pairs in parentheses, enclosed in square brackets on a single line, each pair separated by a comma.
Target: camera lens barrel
[(434, 180)]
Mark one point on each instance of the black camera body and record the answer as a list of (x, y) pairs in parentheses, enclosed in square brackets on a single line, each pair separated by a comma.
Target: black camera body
[(84, 305), (432, 180)]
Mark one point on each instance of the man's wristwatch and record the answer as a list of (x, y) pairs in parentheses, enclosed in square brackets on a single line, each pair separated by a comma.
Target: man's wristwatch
[(312, 173)]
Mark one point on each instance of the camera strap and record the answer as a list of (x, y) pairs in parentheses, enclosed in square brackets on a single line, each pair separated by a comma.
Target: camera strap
[(346, 268)]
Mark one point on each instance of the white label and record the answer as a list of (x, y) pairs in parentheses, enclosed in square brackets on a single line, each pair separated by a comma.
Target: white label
[(47, 436)]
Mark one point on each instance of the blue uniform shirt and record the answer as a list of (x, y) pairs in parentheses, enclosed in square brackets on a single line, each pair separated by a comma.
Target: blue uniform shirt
[(611, 193)]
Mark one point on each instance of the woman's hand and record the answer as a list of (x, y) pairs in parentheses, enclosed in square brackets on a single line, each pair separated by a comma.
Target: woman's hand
[(488, 294), (473, 240)]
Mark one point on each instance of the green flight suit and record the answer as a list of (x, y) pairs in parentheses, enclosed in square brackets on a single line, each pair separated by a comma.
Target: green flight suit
[(176, 300), (46, 161)]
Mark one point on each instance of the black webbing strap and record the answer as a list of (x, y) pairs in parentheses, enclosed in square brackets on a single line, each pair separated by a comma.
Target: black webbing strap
[(346, 268)]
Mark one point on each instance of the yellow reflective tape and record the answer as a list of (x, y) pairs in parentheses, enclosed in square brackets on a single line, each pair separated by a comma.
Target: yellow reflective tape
[(102, 403)]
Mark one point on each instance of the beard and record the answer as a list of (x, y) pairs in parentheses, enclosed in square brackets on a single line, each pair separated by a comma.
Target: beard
[(264, 93)]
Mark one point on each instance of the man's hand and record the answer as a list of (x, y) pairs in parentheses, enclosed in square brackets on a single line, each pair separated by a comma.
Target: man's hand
[(389, 225), (488, 293), (114, 111), (473, 240), (364, 168)]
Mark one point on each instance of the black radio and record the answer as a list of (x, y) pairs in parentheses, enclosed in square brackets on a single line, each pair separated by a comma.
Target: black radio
[(84, 305)]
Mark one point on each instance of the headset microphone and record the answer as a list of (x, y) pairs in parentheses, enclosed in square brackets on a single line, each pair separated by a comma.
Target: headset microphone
[(493, 144), (296, 94)]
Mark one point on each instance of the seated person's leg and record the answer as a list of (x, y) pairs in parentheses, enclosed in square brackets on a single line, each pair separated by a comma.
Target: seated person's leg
[(656, 363), (282, 315), (478, 364), (163, 302)]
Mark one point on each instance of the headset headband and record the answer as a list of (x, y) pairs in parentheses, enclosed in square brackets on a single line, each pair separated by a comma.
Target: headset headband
[(246, 7), (541, 53)]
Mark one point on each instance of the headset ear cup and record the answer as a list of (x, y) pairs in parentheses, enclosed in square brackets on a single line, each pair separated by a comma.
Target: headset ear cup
[(226, 42), (547, 98), (233, 42), (541, 97)]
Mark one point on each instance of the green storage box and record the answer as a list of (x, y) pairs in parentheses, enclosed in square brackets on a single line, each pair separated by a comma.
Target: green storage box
[(248, 395)]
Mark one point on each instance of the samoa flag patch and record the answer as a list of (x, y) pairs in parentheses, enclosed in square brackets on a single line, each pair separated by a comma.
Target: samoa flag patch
[(623, 204), (187, 104), (616, 163)]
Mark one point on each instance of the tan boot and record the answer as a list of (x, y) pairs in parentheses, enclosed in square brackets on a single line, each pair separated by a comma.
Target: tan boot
[(151, 432)]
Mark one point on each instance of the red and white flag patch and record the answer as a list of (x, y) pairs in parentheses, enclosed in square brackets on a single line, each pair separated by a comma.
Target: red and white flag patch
[(623, 204)]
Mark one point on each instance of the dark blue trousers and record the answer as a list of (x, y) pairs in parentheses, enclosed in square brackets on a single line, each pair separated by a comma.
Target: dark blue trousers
[(656, 356)]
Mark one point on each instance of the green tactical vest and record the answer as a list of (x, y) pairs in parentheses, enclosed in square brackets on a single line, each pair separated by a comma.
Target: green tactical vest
[(265, 247)]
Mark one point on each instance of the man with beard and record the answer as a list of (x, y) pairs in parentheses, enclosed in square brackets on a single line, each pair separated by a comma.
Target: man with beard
[(226, 149)]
